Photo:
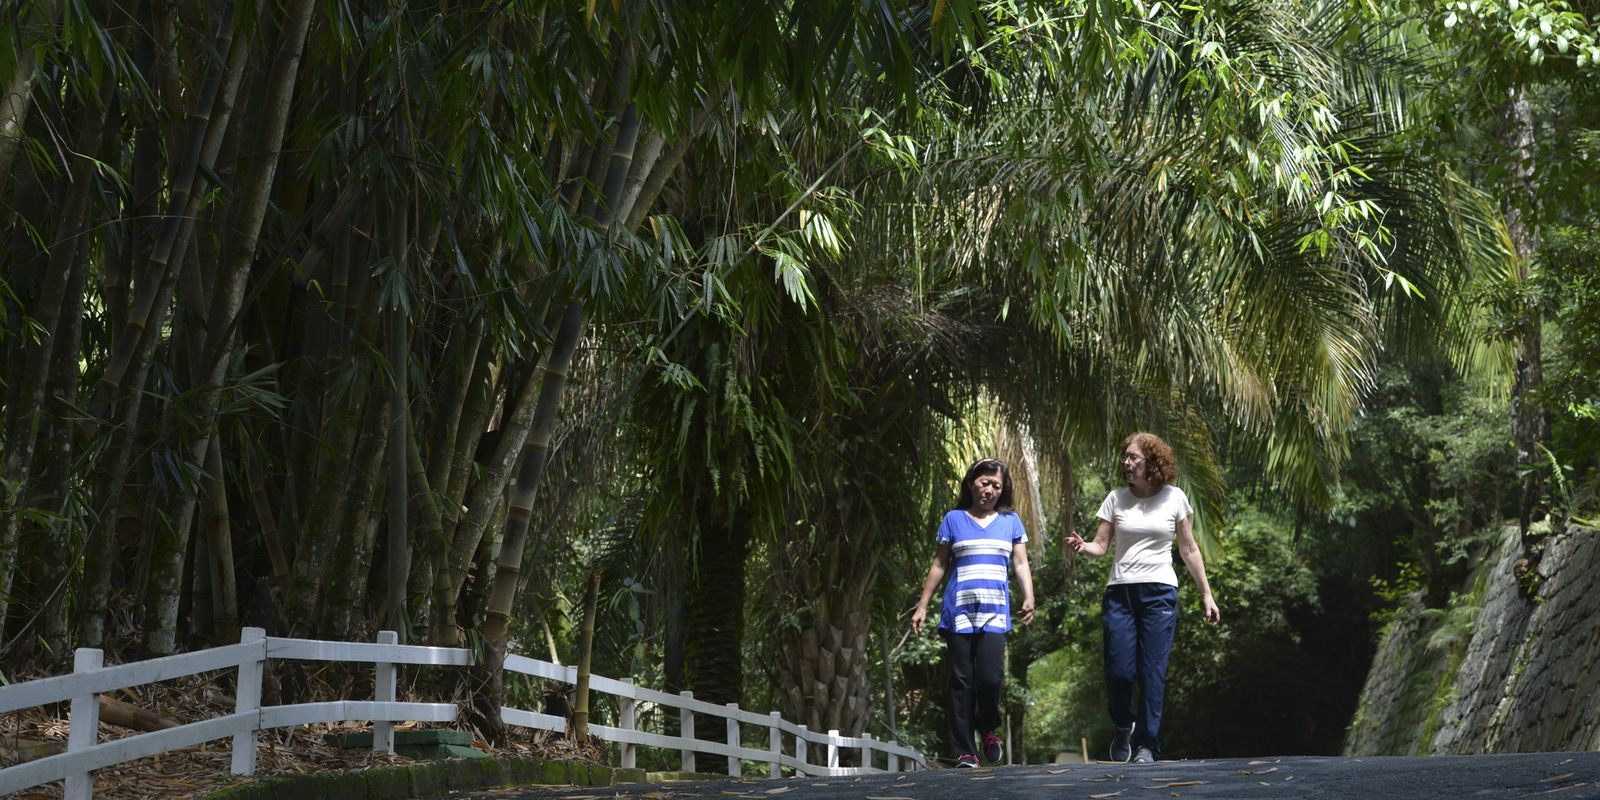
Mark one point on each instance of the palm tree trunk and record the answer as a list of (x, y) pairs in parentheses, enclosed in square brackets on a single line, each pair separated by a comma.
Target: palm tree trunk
[(716, 598), (827, 662)]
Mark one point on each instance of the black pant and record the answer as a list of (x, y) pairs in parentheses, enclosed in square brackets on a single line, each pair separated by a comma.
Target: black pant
[(1139, 620), (977, 667)]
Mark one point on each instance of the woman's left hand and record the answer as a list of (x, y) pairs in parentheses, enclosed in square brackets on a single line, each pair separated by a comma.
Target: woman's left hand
[(1213, 614), (1027, 612)]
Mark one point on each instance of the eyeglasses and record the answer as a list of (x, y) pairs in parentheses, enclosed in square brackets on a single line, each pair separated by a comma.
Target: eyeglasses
[(1131, 458)]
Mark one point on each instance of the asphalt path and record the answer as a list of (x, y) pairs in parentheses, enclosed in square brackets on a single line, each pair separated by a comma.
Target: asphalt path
[(1562, 776)]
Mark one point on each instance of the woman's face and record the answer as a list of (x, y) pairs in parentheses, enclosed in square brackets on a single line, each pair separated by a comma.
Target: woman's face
[(986, 491), (1133, 464)]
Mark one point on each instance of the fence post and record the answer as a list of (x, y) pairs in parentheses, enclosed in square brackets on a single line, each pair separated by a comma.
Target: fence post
[(83, 723), (833, 748), (247, 694), (800, 751), (867, 751), (775, 745), (686, 731), (626, 707), (383, 691), (894, 760), (735, 768)]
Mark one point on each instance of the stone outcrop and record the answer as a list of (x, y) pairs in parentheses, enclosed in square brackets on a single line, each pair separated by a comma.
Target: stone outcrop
[(1523, 676)]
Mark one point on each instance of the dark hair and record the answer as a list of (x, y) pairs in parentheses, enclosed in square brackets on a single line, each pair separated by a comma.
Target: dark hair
[(987, 466), (1160, 468)]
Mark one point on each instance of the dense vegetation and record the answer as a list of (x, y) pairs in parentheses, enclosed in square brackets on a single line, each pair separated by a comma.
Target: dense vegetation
[(460, 318)]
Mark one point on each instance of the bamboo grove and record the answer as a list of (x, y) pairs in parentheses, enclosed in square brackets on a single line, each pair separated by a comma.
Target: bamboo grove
[(329, 316)]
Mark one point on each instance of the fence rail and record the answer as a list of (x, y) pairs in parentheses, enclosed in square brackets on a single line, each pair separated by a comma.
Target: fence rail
[(249, 659)]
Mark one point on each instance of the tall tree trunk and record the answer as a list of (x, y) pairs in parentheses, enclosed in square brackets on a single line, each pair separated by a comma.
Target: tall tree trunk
[(1529, 428), (716, 595), (827, 661)]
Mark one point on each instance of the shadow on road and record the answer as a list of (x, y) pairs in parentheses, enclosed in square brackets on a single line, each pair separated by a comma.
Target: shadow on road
[(1565, 776)]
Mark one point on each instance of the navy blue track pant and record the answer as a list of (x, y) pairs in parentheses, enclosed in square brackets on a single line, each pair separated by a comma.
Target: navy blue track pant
[(977, 668), (1139, 620)]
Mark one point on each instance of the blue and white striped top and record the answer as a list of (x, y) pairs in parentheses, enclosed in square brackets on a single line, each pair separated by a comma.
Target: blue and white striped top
[(977, 591)]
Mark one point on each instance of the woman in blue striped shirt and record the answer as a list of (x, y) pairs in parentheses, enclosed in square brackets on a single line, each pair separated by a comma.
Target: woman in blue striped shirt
[(980, 541)]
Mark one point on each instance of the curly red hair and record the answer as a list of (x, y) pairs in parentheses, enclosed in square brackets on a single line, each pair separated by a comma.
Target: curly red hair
[(1160, 467)]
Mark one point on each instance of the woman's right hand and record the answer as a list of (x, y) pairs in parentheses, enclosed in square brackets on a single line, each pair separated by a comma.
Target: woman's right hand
[(1074, 542), (917, 618)]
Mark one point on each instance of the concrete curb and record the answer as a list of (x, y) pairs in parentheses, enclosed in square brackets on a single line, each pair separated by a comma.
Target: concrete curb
[(431, 779)]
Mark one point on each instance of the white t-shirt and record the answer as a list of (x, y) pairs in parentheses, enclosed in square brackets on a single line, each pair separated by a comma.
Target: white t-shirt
[(1144, 528)]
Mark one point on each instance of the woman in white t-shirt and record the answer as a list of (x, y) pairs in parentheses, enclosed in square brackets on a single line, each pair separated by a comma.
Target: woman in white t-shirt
[(1139, 612)]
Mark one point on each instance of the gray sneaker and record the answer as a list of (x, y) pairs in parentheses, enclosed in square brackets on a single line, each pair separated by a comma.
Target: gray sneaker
[(1122, 745), (1144, 756)]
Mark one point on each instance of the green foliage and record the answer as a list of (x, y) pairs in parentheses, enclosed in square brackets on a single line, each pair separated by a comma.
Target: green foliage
[(1430, 473)]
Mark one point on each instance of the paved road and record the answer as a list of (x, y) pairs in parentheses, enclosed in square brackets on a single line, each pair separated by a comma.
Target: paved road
[(1561, 776)]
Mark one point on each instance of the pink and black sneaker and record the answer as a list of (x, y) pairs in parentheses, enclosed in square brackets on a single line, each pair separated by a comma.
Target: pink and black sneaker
[(992, 749)]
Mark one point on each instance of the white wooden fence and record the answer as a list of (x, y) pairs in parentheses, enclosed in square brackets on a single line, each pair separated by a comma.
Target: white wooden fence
[(249, 657)]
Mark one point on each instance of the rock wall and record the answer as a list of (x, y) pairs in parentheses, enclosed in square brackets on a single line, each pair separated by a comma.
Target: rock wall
[(1393, 715), (1524, 676)]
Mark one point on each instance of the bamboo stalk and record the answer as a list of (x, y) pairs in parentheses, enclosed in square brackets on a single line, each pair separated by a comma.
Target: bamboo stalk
[(520, 510), (580, 706), (227, 297), (219, 533), (24, 415), (399, 546)]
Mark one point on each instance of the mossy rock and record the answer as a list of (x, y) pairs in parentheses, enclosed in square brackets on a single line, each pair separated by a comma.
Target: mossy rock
[(627, 775), (389, 783), (471, 773), (578, 773), (336, 785), (428, 780), (555, 773), (264, 789), (520, 771)]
